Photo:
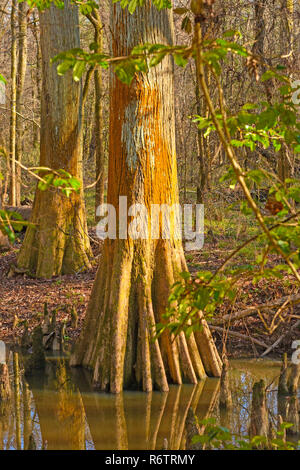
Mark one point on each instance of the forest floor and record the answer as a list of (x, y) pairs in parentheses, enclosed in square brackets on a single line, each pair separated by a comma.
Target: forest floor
[(23, 298)]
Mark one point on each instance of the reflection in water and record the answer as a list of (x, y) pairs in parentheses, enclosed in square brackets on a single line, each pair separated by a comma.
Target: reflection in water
[(137, 420), (17, 396), (243, 376), (57, 409), (27, 427), (2, 352)]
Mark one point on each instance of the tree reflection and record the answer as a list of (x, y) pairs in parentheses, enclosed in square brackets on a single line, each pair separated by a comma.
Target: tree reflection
[(59, 408), (137, 420)]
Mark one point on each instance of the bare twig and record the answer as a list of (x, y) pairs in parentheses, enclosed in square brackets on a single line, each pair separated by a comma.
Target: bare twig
[(278, 341), (238, 335), (291, 299)]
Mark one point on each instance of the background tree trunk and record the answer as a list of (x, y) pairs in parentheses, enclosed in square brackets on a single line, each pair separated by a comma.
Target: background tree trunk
[(95, 19), (37, 75), (58, 243), (286, 158), (13, 95), (22, 59)]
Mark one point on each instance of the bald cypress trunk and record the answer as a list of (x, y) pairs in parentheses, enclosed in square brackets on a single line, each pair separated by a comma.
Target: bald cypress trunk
[(22, 63), (58, 242), (133, 283)]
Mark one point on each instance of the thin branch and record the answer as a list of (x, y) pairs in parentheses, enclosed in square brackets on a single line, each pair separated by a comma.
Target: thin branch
[(278, 341), (21, 115), (238, 335), (293, 299)]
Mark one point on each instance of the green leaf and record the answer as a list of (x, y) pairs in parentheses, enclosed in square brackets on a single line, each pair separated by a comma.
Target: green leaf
[(180, 60), (65, 173), (156, 59), (267, 118), (160, 4), (78, 70), (271, 74), (256, 175), (185, 275), (125, 72), (245, 209), (186, 25), (232, 32), (233, 46), (75, 183), (237, 143), (294, 193), (10, 234), (267, 75), (250, 106), (246, 118), (64, 67), (284, 246), (133, 4), (288, 117), (93, 46), (60, 182), (285, 90)]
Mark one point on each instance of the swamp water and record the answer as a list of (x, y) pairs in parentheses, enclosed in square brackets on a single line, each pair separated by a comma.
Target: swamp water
[(57, 409)]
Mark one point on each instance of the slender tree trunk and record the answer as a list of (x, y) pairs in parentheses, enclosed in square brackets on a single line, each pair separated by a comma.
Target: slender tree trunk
[(4, 242), (37, 87), (132, 285), (285, 162), (96, 21), (99, 155), (58, 242), (22, 59), (204, 156), (259, 27), (13, 76)]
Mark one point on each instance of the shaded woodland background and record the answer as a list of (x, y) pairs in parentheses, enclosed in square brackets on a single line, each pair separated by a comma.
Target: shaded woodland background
[(269, 27)]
